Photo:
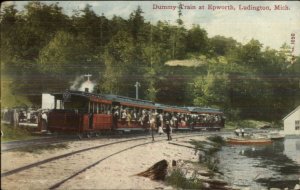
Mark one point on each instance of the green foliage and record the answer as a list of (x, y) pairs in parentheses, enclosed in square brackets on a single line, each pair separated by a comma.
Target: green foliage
[(222, 46), (42, 49), (44, 148), (8, 98), (217, 139), (136, 22), (208, 150), (118, 58), (12, 133), (178, 179), (196, 40), (212, 89), (59, 53), (199, 145)]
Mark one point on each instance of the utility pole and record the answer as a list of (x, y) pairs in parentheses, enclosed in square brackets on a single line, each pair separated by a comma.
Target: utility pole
[(137, 85)]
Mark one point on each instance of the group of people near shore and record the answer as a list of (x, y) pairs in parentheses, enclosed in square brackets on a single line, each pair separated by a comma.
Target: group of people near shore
[(14, 116), (18, 116), (239, 132)]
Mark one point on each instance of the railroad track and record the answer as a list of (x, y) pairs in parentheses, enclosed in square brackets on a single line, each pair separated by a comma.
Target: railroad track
[(76, 167), (17, 145)]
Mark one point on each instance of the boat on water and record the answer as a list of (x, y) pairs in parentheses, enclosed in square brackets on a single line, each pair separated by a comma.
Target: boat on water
[(276, 136), (248, 141)]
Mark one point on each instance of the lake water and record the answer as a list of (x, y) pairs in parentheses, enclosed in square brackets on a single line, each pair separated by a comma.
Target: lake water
[(262, 166)]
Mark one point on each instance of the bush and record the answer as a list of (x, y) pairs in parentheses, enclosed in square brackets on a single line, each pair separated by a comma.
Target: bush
[(11, 133), (217, 139), (178, 179)]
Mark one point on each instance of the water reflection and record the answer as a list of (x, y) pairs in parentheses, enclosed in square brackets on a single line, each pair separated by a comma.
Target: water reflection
[(257, 167)]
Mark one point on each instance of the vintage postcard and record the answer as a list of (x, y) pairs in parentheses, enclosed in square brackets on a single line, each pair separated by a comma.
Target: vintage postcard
[(150, 94)]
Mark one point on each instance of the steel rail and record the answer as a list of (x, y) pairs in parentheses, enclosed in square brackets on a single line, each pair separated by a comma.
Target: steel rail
[(58, 184), (17, 170), (32, 165)]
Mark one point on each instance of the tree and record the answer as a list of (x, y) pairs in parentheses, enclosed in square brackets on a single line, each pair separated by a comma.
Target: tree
[(12, 38), (92, 28), (118, 58), (250, 54), (212, 90), (136, 23), (42, 23), (64, 54), (196, 40), (151, 80), (221, 45)]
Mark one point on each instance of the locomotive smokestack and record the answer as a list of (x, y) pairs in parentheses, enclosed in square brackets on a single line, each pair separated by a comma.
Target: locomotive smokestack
[(83, 86)]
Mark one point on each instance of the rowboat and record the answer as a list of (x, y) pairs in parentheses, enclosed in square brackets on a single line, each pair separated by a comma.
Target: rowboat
[(275, 136), (248, 141)]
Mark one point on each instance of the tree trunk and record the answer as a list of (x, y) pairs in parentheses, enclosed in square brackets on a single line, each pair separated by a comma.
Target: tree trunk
[(156, 172)]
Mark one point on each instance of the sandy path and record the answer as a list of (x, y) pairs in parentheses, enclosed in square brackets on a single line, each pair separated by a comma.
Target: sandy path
[(119, 171), (114, 173), (15, 159)]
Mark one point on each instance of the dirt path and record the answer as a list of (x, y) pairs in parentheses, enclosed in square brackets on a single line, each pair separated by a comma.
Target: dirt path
[(117, 172)]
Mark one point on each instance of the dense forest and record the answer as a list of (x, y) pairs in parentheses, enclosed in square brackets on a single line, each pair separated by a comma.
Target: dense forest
[(44, 50)]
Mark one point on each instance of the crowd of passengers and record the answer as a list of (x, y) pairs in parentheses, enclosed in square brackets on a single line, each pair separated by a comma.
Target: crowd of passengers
[(16, 115), (143, 117)]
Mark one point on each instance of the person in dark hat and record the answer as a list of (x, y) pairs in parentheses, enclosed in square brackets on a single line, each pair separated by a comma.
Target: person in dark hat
[(168, 130), (115, 112)]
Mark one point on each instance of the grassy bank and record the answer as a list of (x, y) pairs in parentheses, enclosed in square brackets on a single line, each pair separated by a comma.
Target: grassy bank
[(11, 133), (179, 180), (44, 148), (207, 165)]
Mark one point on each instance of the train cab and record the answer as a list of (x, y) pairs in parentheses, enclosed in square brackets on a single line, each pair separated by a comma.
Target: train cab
[(80, 112)]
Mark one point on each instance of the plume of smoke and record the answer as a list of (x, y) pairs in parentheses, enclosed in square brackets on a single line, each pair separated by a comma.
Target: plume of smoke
[(77, 82), (81, 84), (87, 84)]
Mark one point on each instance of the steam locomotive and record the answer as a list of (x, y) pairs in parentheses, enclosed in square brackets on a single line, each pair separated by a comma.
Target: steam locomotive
[(89, 113)]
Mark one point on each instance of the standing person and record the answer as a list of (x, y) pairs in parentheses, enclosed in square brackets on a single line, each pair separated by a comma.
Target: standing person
[(115, 117), (243, 132), (237, 132), (152, 124), (173, 121), (160, 124), (44, 121), (123, 117), (168, 130), (128, 118)]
